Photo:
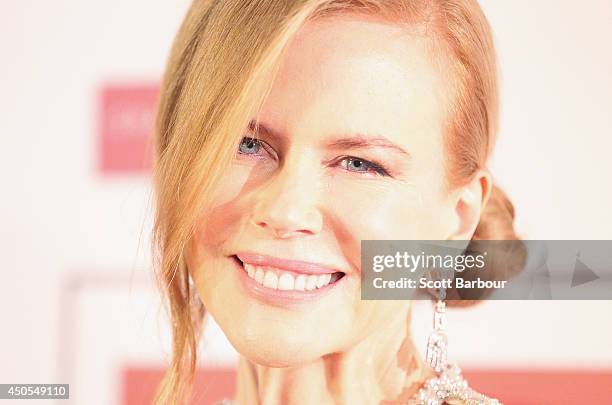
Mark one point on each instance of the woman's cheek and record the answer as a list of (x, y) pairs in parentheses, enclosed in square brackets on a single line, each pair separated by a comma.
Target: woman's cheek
[(226, 207), (385, 211)]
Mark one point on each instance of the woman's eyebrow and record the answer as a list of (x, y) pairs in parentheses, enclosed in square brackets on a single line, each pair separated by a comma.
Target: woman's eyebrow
[(358, 141), (261, 128), (355, 141)]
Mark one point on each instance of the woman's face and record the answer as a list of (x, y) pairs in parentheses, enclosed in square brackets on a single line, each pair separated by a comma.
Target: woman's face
[(351, 149)]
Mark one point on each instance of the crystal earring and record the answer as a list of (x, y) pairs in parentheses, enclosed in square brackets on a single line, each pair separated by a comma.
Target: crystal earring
[(449, 384), (437, 342)]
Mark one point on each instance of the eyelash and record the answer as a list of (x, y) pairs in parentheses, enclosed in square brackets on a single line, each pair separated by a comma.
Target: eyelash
[(375, 166), (378, 168)]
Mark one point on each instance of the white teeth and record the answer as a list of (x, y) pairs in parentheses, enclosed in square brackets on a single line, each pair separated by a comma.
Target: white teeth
[(281, 280), (311, 282), (300, 283), (259, 276), (323, 280), (270, 280), (250, 270), (286, 282)]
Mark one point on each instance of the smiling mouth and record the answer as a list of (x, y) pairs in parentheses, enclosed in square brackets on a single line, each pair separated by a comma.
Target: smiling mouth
[(278, 279)]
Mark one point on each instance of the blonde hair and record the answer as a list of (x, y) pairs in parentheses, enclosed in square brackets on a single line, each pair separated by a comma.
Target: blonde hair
[(221, 66)]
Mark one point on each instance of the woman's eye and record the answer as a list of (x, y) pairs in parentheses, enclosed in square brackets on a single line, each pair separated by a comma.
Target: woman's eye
[(354, 164), (249, 146)]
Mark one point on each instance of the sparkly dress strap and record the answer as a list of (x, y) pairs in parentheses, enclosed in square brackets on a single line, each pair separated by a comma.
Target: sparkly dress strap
[(449, 387)]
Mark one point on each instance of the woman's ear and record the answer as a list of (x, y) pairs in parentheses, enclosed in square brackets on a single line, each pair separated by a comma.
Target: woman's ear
[(469, 201)]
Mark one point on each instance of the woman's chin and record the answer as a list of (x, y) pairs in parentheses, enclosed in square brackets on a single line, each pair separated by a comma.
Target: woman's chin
[(281, 357), (279, 347)]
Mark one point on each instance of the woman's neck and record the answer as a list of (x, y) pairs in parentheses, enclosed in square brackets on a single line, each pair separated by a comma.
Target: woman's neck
[(384, 369)]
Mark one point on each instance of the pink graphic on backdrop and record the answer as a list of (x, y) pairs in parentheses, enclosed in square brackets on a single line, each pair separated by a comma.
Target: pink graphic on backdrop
[(126, 120)]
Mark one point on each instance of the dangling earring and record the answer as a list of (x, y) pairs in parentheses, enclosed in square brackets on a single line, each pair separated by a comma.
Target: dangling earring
[(449, 383), (437, 342)]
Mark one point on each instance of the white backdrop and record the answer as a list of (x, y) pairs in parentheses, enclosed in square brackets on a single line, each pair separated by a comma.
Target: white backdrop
[(59, 217)]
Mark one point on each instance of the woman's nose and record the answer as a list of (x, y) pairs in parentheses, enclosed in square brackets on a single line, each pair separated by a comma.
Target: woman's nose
[(287, 205)]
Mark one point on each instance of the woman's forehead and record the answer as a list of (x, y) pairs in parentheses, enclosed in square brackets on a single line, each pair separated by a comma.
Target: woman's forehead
[(356, 76)]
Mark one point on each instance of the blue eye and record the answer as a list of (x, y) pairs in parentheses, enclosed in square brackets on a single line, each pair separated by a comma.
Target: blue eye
[(357, 165), (249, 146), (354, 164)]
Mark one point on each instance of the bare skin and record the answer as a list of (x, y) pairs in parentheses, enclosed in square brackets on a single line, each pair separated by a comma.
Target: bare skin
[(387, 361), (303, 196)]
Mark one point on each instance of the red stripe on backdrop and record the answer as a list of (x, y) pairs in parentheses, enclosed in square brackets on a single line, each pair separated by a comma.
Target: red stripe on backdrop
[(544, 387), (210, 386), (511, 387)]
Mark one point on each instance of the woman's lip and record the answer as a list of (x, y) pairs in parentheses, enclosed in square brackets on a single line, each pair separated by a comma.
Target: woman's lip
[(297, 266), (282, 298)]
